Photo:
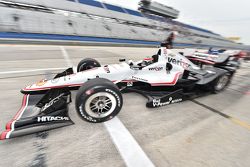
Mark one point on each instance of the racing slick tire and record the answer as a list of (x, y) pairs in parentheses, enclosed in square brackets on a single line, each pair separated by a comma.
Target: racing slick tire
[(220, 83), (87, 64), (98, 100)]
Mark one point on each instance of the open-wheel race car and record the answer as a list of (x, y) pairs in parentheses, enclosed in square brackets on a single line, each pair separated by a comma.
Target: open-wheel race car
[(221, 57), (165, 78)]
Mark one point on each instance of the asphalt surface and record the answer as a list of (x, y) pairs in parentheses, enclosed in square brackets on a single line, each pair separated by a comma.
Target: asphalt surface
[(211, 131)]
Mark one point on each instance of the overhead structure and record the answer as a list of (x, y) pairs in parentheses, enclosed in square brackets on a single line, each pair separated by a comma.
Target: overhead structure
[(151, 7)]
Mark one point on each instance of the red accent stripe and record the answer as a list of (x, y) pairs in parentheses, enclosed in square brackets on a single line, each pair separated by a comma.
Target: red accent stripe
[(148, 59), (9, 124), (3, 135), (176, 77)]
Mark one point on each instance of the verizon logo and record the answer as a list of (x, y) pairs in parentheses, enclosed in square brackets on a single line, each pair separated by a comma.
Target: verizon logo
[(178, 62), (155, 68)]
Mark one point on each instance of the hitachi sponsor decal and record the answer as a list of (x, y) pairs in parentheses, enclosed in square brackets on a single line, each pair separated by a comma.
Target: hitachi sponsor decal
[(178, 62), (51, 118), (158, 103)]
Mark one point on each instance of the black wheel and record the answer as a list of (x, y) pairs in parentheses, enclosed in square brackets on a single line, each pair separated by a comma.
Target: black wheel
[(221, 83), (87, 64), (98, 100)]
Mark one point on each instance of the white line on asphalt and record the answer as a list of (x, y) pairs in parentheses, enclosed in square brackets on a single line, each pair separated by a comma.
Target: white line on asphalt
[(66, 57), (131, 152), (26, 71)]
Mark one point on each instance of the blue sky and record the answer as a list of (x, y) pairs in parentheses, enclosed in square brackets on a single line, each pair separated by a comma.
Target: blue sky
[(229, 18)]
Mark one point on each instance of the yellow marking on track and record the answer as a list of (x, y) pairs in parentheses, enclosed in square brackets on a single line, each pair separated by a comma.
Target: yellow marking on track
[(232, 119), (240, 123)]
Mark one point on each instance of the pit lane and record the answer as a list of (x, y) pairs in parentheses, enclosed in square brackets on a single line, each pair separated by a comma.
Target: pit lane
[(183, 134)]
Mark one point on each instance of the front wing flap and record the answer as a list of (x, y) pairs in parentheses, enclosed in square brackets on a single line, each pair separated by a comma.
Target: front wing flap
[(40, 113)]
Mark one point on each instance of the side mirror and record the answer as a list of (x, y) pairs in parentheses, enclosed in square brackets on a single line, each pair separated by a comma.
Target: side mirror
[(169, 67), (122, 60)]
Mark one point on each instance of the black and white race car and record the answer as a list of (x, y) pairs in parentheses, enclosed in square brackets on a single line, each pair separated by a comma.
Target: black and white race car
[(166, 78)]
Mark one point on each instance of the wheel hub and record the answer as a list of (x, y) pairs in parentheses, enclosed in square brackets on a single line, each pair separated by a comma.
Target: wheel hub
[(222, 82), (100, 105)]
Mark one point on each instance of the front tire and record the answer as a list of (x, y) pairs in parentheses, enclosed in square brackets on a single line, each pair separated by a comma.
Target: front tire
[(98, 100)]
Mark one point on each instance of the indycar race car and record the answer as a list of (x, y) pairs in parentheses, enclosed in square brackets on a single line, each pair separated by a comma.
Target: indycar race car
[(215, 57), (166, 78)]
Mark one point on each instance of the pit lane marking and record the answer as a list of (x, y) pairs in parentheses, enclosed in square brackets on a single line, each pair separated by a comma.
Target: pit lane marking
[(129, 149), (232, 119), (66, 56), (27, 71)]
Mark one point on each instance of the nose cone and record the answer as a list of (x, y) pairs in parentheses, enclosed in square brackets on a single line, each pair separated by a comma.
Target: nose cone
[(40, 85), (44, 85)]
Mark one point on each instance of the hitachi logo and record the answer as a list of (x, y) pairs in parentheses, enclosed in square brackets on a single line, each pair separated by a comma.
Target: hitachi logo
[(51, 118)]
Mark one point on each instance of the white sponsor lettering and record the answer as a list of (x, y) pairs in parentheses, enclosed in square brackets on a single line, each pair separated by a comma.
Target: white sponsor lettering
[(86, 117), (52, 118), (53, 101), (139, 79), (158, 103), (117, 97)]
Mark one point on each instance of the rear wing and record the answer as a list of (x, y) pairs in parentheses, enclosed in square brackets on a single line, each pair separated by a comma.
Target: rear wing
[(206, 58)]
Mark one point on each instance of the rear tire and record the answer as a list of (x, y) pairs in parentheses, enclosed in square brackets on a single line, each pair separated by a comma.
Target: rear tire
[(98, 100), (221, 83), (87, 64)]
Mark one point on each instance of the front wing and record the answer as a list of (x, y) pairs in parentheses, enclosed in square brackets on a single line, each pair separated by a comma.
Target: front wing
[(39, 113)]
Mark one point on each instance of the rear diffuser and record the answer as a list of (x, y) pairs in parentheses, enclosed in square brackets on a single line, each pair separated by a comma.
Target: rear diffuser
[(40, 113)]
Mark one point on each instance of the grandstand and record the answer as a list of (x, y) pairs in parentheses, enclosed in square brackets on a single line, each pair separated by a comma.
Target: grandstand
[(94, 21)]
